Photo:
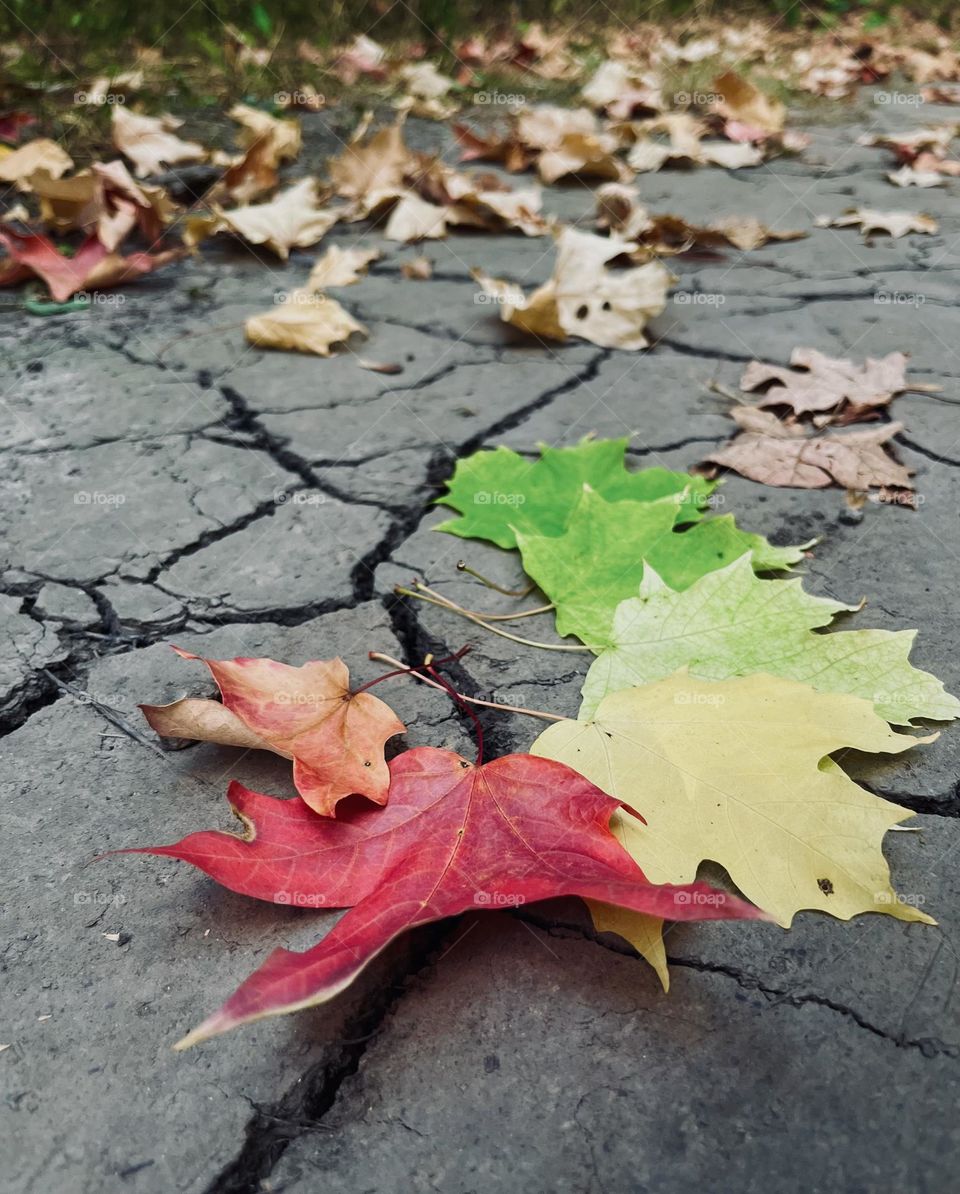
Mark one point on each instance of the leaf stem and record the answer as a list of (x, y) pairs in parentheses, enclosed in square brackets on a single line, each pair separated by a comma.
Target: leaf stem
[(458, 699), (415, 673), (452, 607), (404, 671), (463, 566), (526, 613)]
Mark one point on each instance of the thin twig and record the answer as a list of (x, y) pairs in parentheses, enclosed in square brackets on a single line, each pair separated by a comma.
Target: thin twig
[(106, 711)]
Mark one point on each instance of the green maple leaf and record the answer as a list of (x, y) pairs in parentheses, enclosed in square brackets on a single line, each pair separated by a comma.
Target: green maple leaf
[(730, 623), (500, 492), (599, 560)]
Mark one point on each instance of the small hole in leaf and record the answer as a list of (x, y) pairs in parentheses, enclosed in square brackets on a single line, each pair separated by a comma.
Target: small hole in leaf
[(367, 763), (825, 886), (464, 763), (583, 311)]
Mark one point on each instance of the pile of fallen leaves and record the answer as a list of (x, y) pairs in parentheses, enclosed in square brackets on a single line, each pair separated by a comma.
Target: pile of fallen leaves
[(604, 288), (710, 713), (632, 118)]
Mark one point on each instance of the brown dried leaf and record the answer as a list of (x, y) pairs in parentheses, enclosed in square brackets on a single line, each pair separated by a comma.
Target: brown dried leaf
[(379, 163), (584, 298), (306, 322), (295, 219), (42, 154), (105, 199), (742, 102), (418, 269), (849, 392), (774, 453), (896, 223), (341, 267), (284, 136), (149, 141)]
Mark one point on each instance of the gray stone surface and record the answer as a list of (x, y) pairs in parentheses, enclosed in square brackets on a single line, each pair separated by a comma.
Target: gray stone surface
[(164, 480)]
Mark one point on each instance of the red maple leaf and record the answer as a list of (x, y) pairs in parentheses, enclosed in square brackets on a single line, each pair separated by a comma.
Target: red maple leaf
[(453, 836), (92, 267)]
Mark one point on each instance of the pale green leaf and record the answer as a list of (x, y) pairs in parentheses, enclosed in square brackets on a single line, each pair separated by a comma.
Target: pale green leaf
[(730, 623)]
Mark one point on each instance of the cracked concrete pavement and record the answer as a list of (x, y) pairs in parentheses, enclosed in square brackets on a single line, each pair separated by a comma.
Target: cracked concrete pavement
[(161, 484)]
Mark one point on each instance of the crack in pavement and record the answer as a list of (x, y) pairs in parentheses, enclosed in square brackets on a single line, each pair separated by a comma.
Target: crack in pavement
[(302, 1107), (929, 1047)]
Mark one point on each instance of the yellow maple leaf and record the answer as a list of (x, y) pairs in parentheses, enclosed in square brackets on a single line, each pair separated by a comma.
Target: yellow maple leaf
[(738, 772)]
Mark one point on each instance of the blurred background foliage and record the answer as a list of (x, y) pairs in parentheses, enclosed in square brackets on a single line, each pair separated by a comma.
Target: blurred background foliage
[(186, 25)]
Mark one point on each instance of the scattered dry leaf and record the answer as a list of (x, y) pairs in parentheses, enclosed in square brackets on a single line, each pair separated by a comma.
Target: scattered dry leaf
[(910, 176), (620, 210), (426, 91), (149, 141), (305, 322), (105, 199), (684, 145), (341, 267), (295, 219), (941, 93), (418, 269), (815, 384), (584, 298), (568, 141), (363, 57), (93, 267), (616, 89), (782, 454), (755, 114), (284, 135), (414, 219), (42, 154), (896, 223), (380, 163)]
